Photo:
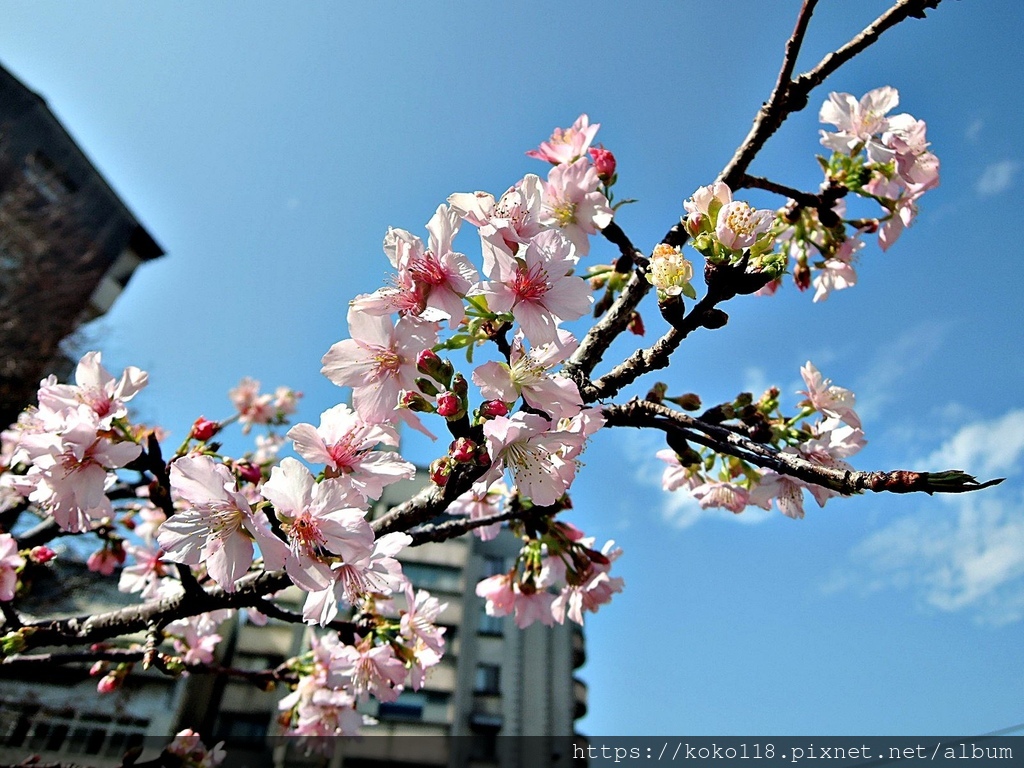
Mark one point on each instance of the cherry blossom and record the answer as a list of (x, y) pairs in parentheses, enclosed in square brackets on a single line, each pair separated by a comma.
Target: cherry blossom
[(859, 122), (345, 444), (538, 286), (434, 278), (567, 144), (482, 500), (369, 670), (739, 225), (378, 572), (670, 272), (10, 562), (526, 375), (508, 223), (320, 520), (830, 400), (219, 526), (96, 388), (378, 362), (677, 476), (525, 444), (573, 204), (837, 272)]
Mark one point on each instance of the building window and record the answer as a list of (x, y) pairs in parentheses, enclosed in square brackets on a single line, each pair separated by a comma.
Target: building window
[(37, 728), (491, 625), (242, 729), (408, 706), (433, 578), (488, 679), (494, 565)]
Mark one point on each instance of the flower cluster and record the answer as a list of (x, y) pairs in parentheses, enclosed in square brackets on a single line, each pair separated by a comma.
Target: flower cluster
[(834, 436), (557, 575), (879, 157)]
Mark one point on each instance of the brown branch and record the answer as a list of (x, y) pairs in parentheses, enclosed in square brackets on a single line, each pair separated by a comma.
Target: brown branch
[(791, 95), (642, 413), (138, 618)]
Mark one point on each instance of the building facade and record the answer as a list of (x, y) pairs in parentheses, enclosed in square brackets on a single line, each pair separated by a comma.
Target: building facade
[(68, 243)]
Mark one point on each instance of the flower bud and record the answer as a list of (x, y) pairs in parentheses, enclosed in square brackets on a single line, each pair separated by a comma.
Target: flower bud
[(426, 361), (491, 408), (203, 429), (693, 223), (636, 324), (440, 469), (41, 554), (108, 684), (249, 472), (447, 404), (802, 276), (98, 669), (426, 386), (604, 163), (414, 401), (463, 450)]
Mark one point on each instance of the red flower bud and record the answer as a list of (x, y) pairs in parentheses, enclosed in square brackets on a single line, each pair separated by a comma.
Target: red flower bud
[(604, 162), (41, 554), (447, 404), (636, 324), (491, 408), (108, 684), (440, 469), (204, 429), (426, 361), (463, 450), (249, 472)]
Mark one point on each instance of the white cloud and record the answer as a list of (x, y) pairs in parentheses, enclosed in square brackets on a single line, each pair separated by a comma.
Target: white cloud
[(973, 132), (894, 363), (974, 560), (967, 554), (983, 448), (997, 178)]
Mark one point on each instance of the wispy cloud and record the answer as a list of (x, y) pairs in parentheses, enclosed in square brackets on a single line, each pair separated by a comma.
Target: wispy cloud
[(997, 178), (984, 448), (973, 132), (972, 560), (895, 362)]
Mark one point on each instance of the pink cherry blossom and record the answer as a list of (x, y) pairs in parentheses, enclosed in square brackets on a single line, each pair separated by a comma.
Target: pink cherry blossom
[(705, 200), (378, 573), (786, 491), (511, 221), (431, 282), (711, 494), (837, 272), (859, 122), (345, 443), (567, 144), (252, 406), (526, 374), (219, 526), (10, 562), (677, 476), (320, 519), (378, 362), (830, 400), (573, 203), (419, 622), (538, 286), (71, 456), (482, 500), (96, 388), (594, 591), (373, 670), (144, 575), (526, 445), (739, 225)]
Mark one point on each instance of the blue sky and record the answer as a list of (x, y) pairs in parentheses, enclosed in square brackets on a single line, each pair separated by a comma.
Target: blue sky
[(268, 147)]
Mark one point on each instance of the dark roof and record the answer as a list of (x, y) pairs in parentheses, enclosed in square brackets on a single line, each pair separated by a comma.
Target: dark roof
[(19, 102)]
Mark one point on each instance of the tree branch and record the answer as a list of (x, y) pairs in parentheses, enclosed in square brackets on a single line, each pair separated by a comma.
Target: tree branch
[(642, 413)]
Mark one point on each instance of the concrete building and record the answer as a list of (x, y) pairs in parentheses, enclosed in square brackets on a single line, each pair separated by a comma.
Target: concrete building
[(500, 697), (68, 244)]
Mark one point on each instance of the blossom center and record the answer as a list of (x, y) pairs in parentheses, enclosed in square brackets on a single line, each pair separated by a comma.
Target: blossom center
[(427, 269), (564, 212), (530, 284)]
